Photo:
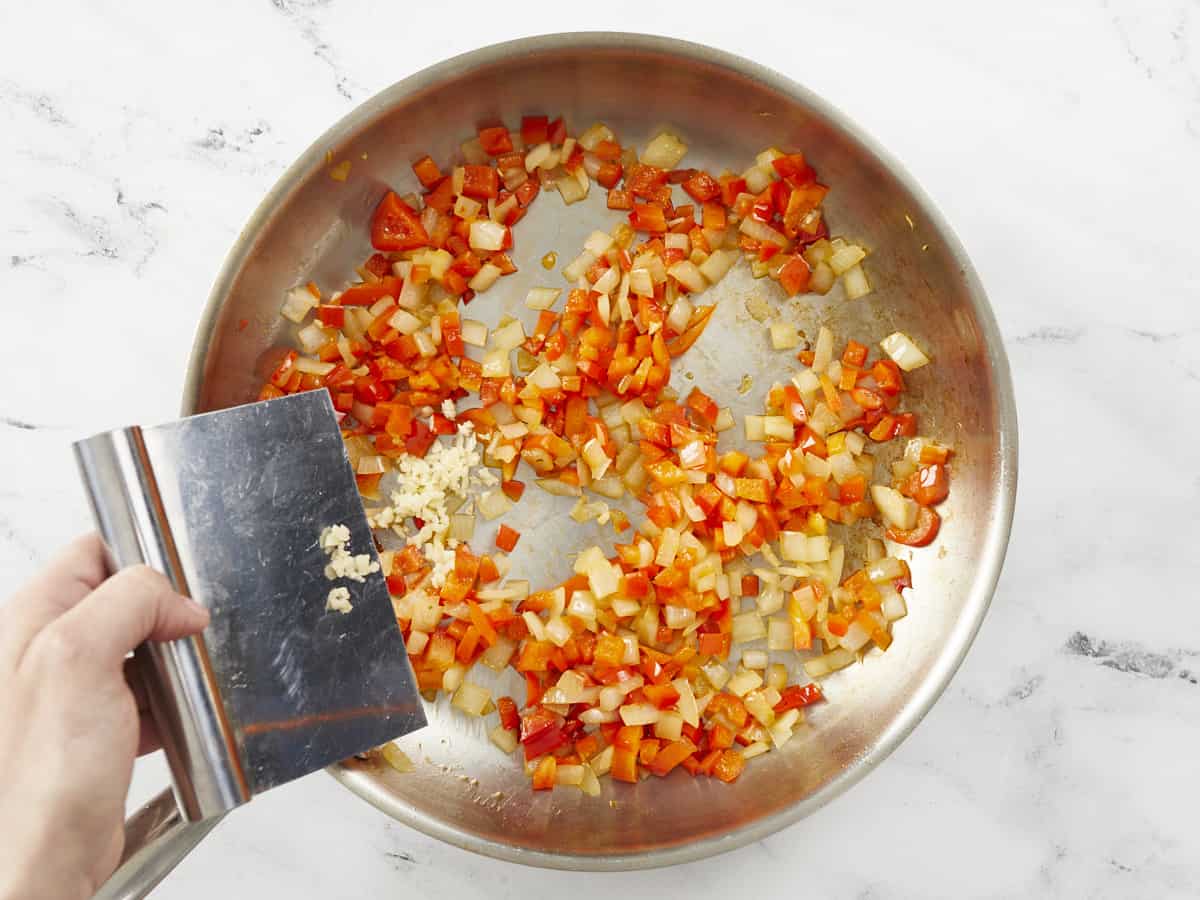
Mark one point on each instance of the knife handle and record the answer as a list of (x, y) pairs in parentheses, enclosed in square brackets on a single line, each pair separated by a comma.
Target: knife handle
[(156, 839), (183, 698)]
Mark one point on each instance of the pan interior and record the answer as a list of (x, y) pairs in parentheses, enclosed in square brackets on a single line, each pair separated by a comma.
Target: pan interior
[(314, 228)]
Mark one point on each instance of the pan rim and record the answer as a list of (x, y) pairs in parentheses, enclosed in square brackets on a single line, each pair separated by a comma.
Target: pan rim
[(994, 546)]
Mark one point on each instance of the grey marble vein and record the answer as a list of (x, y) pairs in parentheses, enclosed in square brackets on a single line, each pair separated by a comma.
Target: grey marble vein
[(299, 12), (1051, 334), (1132, 658), (41, 105), (19, 424)]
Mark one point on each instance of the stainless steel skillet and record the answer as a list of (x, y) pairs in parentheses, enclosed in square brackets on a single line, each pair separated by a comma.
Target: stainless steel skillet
[(313, 227)]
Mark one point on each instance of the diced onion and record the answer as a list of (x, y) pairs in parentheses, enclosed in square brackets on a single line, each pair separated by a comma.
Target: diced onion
[(397, 758), (777, 428), (856, 636), (497, 656), (799, 547), (486, 235), (755, 428), (473, 152), (904, 351), (466, 208), (687, 274), (558, 488), (417, 640), (755, 659), (496, 364), (761, 231), (781, 729), (544, 378), (748, 627), (835, 659), (504, 738), (601, 763), (474, 332), (680, 314), (823, 351), (542, 298), (669, 726), (539, 155), (758, 178), (846, 258), (678, 617), (667, 548), (598, 243), (493, 504), (484, 278), (595, 135), (717, 675), (607, 283), (886, 569), (571, 188), (297, 303), (664, 151), (641, 283), (897, 510), (639, 714), (894, 607), (744, 681), (404, 322), (770, 601), (313, 366), (855, 283), (578, 267), (509, 337), (453, 677), (821, 279), (471, 699), (784, 335), (719, 262)]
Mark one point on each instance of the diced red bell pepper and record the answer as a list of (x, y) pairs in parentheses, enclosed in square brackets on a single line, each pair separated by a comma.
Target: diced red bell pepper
[(509, 717), (534, 130), (378, 265), (620, 199), (495, 141), (506, 538), (396, 225), (702, 187), (648, 217), (795, 696), (926, 529), (793, 167), (480, 182), (887, 375), (609, 174), (670, 756), (427, 172), (729, 766), (794, 275), (715, 645), (367, 293), (854, 355), (545, 774), (661, 695)]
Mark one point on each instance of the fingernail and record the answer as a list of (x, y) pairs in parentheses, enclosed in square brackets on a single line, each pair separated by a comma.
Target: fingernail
[(195, 607)]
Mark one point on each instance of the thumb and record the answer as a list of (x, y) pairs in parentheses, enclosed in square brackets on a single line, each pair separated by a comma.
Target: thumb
[(135, 605)]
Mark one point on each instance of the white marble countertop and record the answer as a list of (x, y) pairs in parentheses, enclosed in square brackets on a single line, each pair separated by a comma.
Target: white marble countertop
[(1062, 142)]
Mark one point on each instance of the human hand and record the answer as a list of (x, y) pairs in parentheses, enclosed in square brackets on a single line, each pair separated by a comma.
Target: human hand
[(70, 724)]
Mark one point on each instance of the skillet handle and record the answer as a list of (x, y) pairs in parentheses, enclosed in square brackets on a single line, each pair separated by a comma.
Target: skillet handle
[(156, 840)]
